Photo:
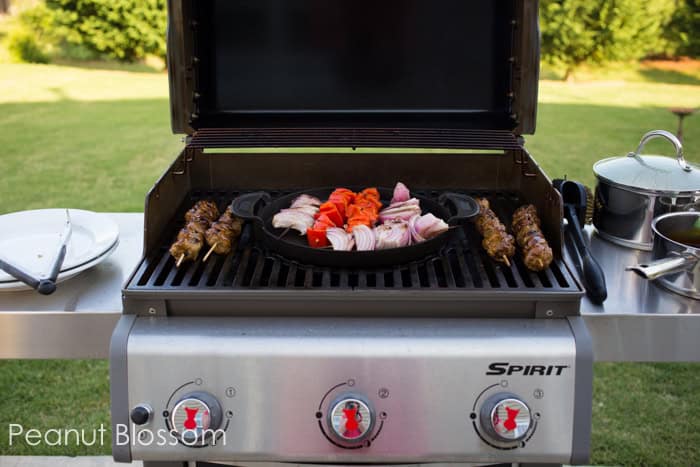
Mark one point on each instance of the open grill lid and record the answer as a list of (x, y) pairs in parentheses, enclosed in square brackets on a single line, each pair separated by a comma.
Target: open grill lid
[(421, 66)]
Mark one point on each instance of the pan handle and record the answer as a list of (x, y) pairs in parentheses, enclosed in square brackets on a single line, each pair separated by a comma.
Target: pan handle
[(466, 206), (243, 206), (675, 263)]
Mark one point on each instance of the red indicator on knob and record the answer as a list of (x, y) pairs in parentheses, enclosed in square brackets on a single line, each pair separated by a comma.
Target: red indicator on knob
[(352, 426), (510, 424), (190, 423), (505, 418), (350, 419)]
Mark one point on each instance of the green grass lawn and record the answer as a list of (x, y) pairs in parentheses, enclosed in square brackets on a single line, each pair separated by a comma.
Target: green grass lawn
[(98, 138)]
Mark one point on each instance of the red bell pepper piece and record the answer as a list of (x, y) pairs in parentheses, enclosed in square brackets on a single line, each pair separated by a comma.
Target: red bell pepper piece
[(331, 211), (323, 222), (316, 237)]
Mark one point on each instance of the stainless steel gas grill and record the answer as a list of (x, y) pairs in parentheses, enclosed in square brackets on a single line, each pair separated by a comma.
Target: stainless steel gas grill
[(256, 357)]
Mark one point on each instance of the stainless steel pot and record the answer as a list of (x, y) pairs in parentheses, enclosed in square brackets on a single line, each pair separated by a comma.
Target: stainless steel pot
[(633, 190), (675, 265)]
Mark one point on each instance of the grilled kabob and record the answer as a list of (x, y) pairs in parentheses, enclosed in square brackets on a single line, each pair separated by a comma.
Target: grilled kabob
[(537, 255), (498, 243), (204, 209), (222, 233), (191, 237)]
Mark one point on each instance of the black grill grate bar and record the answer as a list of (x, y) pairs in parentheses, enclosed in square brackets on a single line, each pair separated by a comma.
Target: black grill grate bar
[(158, 271), (257, 272), (228, 263), (274, 274), (291, 276), (144, 272), (453, 281), (354, 137), (239, 273), (208, 271), (167, 272)]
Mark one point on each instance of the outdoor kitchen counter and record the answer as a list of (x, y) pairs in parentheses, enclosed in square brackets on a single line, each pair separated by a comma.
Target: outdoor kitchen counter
[(639, 321), (77, 320)]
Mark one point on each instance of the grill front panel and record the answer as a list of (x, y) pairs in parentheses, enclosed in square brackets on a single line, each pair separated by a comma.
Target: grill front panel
[(426, 382)]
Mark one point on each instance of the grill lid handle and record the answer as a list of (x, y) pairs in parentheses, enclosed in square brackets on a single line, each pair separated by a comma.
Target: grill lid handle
[(244, 205), (466, 207)]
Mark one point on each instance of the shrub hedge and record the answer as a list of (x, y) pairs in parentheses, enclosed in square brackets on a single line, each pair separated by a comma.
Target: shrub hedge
[(573, 31), (126, 30)]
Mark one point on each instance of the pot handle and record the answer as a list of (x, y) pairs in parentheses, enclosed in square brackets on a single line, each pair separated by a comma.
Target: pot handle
[(466, 206), (243, 206), (674, 263), (668, 136)]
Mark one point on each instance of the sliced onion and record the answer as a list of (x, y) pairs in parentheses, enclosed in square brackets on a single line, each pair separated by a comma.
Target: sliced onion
[(293, 219), (392, 235), (401, 193), (408, 202), (306, 209), (428, 226), (364, 238), (340, 239), (417, 238), (305, 200), (403, 210)]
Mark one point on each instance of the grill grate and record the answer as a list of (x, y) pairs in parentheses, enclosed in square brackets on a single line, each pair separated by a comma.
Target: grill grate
[(354, 137), (462, 265)]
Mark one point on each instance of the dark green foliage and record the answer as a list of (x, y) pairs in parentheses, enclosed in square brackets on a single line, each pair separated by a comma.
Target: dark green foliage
[(126, 30), (684, 31), (600, 31), (24, 47), (122, 29)]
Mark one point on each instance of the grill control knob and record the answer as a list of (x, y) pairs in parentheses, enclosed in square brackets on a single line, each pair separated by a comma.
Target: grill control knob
[(195, 417), (505, 418), (351, 419), (141, 414)]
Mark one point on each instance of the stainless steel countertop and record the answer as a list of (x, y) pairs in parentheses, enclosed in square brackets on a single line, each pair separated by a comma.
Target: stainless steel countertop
[(629, 294), (638, 322), (77, 320)]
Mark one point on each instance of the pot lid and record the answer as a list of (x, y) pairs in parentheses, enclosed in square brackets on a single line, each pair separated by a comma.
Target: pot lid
[(650, 172)]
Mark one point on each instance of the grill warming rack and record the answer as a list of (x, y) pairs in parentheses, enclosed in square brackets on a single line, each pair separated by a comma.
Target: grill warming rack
[(459, 281)]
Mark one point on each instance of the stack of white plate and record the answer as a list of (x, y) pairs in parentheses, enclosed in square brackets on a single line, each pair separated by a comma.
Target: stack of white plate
[(30, 239)]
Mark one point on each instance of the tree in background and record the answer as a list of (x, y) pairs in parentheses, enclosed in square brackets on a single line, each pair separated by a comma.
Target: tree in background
[(123, 29), (683, 33), (126, 30), (599, 31)]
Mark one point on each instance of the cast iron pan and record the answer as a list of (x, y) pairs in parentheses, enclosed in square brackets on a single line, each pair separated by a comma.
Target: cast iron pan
[(290, 244)]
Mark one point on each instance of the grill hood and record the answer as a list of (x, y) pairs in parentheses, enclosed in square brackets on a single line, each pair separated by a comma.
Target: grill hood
[(353, 64)]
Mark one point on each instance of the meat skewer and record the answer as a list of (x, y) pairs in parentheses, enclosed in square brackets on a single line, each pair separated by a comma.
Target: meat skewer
[(222, 233), (498, 243), (204, 209), (537, 255), (191, 237)]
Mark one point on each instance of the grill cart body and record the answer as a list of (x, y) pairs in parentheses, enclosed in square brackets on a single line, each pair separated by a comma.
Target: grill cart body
[(449, 358)]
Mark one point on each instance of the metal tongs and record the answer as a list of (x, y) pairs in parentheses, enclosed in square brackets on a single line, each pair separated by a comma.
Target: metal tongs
[(46, 284), (592, 275)]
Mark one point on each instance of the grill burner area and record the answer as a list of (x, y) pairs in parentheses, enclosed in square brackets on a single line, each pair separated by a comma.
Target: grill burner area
[(461, 269)]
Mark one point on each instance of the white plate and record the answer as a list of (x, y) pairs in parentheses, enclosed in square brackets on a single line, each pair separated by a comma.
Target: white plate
[(30, 239), (63, 275)]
